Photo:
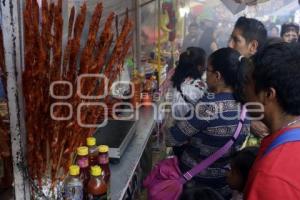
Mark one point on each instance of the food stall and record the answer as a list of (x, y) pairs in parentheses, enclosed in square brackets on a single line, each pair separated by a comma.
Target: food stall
[(73, 69), (64, 61)]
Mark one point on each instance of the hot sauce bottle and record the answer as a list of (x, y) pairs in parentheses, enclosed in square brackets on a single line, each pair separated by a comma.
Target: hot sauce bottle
[(97, 188), (82, 161), (103, 161), (93, 151)]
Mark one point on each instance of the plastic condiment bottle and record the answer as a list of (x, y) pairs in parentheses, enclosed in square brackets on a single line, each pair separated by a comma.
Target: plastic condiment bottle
[(83, 162), (103, 161), (73, 187), (97, 187), (93, 151)]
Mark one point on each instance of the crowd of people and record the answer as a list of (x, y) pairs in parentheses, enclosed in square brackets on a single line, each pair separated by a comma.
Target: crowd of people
[(210, 87)]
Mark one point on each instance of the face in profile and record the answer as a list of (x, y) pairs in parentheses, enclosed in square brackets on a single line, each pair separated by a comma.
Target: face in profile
[(239, 43), (201, 69), (290, 36), (211, 78)]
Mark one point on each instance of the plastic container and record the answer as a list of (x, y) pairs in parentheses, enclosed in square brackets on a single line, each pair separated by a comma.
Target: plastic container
[(103, 161), (97, 188), (83, 162), (93, 151), (73, 186)]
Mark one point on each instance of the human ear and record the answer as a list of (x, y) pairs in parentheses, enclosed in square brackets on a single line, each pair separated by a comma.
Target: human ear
[(218, 75), (269, 95), (253, 46)]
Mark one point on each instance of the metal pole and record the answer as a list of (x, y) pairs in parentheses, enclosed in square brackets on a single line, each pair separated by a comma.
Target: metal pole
[(137, 35), (12, 36), (158, 39)]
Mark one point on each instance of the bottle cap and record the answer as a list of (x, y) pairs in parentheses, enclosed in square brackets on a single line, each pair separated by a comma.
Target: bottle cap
[(96, 170), (103, 148), (82, 151), (74, 170), (91, 141)]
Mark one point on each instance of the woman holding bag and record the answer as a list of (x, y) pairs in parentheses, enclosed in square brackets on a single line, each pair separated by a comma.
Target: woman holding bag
[(213, 123)]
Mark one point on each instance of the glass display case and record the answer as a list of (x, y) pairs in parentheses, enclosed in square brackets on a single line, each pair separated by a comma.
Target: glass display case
[(161, 35)]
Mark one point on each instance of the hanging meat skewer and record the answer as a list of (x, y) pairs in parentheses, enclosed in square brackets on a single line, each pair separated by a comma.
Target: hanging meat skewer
[(118, 49), (84, 63), (51, 142), (91, 41), (117, 57)]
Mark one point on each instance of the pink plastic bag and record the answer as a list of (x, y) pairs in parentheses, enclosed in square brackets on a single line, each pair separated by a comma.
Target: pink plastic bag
[(164, 181)]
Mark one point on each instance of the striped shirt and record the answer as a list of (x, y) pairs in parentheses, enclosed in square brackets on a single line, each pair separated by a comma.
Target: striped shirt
[(211, 127)]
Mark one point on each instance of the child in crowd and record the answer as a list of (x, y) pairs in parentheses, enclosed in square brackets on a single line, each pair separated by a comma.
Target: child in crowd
[(290, 32), (240, 165)]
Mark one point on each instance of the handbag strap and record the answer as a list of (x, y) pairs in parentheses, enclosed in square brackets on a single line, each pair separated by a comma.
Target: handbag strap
[(218, 154), (288, 136)]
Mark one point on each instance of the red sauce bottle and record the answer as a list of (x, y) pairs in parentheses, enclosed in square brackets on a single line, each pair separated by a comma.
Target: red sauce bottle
[(82, 161), (93, 151), (97, 188), (103, 161)]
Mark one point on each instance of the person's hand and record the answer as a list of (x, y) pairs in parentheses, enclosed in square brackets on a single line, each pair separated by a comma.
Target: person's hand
[(259, 128)]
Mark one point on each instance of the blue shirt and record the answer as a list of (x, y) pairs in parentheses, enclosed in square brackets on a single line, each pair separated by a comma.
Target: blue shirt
[(212, 126)]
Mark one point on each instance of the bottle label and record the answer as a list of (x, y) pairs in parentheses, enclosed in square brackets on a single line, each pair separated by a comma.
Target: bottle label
[(83, 162), (73, 192), (97, 197), (103, 159)]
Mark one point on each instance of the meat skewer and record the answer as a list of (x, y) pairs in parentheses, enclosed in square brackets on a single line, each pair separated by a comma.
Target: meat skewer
[(91, 41), (102, 49), (51, 142)]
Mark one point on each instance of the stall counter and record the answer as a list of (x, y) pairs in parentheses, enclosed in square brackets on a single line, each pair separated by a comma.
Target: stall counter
[(122, 173)]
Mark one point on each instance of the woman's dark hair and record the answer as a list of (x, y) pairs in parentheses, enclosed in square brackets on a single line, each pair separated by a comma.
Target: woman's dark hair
[(252, 29), (243, 160), (277, 66), (188, 66), (232, 67), (207, 39), (203, 193), (289, 27)]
